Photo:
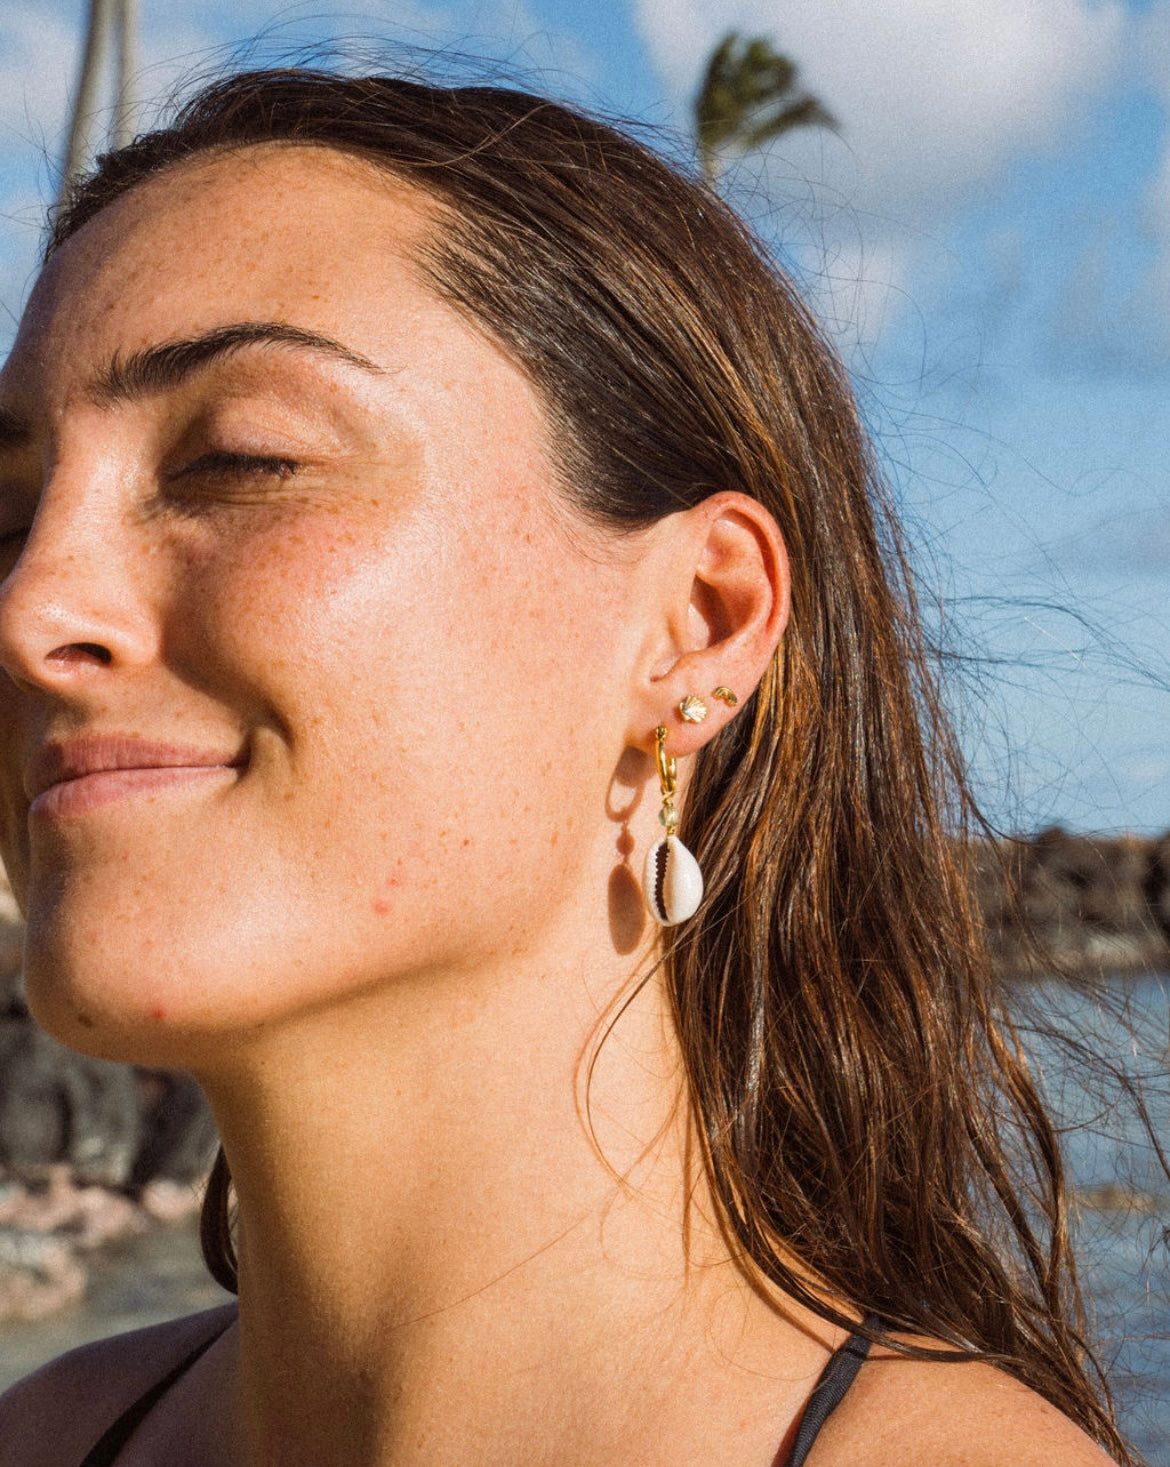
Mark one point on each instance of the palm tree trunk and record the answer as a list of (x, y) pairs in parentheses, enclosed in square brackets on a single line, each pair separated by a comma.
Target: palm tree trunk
[(126, 17), (85, 101)]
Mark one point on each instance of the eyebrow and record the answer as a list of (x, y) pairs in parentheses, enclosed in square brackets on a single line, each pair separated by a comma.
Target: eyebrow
[(169, 363)]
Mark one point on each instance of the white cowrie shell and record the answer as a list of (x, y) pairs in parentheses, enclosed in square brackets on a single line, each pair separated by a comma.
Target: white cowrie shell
[(671, 882)]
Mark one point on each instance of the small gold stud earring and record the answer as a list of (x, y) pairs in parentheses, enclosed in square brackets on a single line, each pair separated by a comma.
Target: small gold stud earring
[(692, 709), (725, 695)]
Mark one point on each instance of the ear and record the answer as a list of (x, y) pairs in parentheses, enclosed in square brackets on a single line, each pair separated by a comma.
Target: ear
[(721, 614)]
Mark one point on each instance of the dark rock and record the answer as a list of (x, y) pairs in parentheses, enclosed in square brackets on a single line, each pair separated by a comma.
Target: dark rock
[(1157, 884), (111, 1125), (57, 1106), (1075, 904), (178, 1134)]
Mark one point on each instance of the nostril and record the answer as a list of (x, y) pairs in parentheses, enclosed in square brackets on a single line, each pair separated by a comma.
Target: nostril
[(82, 652)]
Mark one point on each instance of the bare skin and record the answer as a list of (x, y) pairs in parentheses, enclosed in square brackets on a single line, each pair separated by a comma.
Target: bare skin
[(407, 701)]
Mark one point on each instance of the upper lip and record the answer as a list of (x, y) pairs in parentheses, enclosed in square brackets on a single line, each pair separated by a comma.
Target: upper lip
[(55, 762)]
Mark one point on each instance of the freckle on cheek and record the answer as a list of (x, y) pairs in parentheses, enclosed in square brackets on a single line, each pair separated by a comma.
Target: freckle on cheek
[(85, 1021), (158, 1013)]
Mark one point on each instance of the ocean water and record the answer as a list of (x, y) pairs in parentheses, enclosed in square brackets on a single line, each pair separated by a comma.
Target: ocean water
[(140, 1279), (1122, 1229)]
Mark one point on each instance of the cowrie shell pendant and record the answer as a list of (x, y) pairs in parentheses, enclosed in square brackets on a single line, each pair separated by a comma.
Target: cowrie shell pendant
[(671, 882)]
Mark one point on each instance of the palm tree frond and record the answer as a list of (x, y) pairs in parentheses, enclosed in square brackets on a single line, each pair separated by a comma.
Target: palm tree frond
[(748, 97), (808, 112)]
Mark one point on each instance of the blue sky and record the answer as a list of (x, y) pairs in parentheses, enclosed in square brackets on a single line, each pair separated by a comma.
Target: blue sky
[(988, 237)]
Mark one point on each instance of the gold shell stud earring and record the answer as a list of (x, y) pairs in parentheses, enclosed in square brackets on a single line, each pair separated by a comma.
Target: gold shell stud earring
[(692, 709), (725, 695)]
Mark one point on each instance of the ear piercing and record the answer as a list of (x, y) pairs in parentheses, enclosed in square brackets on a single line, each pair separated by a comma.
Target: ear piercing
[(692, 709), (671, 881)]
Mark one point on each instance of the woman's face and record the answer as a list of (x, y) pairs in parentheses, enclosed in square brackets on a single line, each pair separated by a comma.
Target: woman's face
[(313, 682)]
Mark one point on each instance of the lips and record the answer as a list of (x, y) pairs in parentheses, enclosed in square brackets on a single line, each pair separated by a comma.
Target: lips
[(76, 775)]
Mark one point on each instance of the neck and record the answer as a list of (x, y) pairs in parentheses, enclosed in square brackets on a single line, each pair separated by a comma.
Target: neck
[(468, 1230)]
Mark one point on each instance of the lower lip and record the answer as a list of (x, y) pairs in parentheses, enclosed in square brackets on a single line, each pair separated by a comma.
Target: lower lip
[(94, 791)]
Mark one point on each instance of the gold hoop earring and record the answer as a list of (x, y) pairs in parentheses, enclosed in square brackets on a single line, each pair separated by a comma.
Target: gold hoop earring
[(671, 881)]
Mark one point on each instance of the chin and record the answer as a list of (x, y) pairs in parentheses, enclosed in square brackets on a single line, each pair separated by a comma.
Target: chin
[(112, 991), (106, 1014)]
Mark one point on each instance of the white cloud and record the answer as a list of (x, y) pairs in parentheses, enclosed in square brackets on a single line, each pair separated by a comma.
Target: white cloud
[(934, 99)]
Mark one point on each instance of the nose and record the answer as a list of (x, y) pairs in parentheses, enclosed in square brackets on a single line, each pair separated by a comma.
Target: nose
[(71, 605)]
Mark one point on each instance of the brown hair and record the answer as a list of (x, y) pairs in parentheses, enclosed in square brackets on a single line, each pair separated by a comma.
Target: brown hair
[(867, 1118)]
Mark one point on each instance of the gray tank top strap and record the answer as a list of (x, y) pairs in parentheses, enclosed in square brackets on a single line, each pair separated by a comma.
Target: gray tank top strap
[(838, 1375)]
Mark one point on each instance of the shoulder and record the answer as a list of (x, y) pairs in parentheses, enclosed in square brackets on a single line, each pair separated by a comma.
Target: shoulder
[(960, 1414), (53, 1417)]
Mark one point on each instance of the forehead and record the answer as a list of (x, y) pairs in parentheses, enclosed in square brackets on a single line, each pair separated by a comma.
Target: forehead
[(272, 232)]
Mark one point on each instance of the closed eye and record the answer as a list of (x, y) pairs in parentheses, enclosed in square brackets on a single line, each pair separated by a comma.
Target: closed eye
[(241, 465)]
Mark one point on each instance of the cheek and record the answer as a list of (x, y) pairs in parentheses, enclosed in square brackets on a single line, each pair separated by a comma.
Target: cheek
[(435, 715), (282, 621), (410, 667)]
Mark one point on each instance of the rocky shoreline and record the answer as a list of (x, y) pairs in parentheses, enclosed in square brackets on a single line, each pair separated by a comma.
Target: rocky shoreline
[(1073, 905), (52, 1227), (92, 1152)]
